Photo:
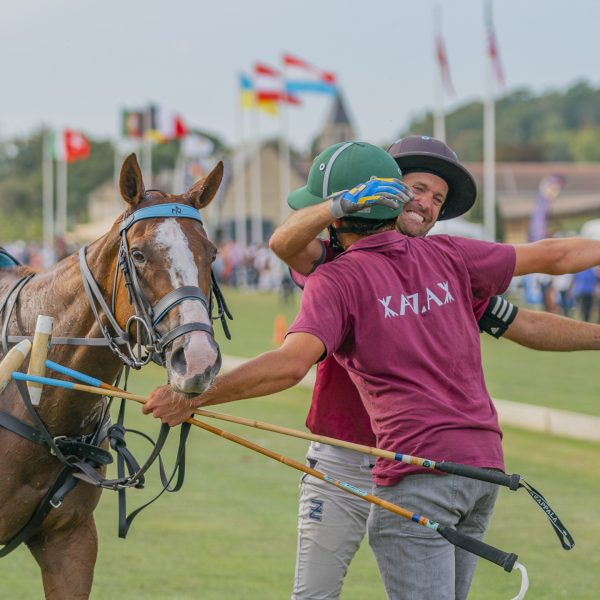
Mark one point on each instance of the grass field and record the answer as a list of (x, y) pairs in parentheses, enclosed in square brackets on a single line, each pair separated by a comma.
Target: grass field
[(230, 533)]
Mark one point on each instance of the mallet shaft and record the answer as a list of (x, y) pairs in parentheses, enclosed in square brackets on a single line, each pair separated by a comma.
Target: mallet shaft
[(69, 385), (496, 477)]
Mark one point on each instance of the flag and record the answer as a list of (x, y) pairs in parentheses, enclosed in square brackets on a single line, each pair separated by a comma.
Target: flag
[(132, 124), (301, 76), (492, 47), (442, 58), (548, 190), (247, 96), (268, 88), (164, 124), (70, 145)]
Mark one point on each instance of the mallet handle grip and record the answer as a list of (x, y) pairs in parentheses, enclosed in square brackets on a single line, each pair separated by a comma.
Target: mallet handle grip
[(503, 559)]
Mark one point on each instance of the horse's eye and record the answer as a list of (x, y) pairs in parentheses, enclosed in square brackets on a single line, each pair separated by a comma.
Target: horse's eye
[(138, 256)]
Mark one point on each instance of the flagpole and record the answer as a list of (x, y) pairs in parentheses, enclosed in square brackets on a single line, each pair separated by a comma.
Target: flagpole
[(257, 237), (147, 148), (179, 173), (489, 142), (284, 152), (48, 193), (439, 119), (240, 180), (61, 193)]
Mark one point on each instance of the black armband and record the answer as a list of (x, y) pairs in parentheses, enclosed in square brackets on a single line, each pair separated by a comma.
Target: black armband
[(498, 315)]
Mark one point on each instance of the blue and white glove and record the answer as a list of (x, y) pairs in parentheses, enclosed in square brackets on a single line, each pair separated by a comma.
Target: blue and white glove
[(377, 191)]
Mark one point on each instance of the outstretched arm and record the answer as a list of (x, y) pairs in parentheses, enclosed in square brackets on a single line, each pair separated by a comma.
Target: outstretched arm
[(546, 331), (557, 256), (266, 374)]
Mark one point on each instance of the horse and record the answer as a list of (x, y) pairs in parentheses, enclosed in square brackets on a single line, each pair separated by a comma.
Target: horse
[(154, 268)]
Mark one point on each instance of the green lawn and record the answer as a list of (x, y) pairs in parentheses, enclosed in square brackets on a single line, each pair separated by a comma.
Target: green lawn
[(230, 533)]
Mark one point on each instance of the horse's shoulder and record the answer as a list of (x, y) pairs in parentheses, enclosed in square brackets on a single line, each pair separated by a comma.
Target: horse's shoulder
[(9, 275)]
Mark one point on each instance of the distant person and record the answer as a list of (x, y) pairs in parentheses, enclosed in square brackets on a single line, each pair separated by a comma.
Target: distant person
[(584, 288), (563, 285)]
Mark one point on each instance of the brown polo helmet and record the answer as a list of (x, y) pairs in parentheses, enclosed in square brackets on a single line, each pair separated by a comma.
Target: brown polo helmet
[(424, 154)]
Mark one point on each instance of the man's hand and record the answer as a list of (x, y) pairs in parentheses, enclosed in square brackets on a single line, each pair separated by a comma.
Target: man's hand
[(376, 191), (168, 406)]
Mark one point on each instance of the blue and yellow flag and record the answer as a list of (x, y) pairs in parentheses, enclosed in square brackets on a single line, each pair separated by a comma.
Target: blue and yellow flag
[(247, 94)]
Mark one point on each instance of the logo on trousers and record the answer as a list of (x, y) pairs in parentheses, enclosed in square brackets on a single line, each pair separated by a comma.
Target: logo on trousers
[(316, 510)]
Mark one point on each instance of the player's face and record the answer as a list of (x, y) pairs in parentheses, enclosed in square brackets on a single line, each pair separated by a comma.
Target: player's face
[(421, 213)]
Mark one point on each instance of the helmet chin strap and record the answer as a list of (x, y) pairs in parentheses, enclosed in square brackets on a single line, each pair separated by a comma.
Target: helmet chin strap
[(334, 241)]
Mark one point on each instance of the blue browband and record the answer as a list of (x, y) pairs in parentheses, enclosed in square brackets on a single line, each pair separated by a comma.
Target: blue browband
[(180, 211)]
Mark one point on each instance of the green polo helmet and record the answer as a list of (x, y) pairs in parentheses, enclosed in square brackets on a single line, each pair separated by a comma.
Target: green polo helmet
[(343, 166)]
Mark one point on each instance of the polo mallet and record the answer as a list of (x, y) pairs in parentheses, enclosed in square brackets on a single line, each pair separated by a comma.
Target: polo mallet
[(39, 351), (513, 482), (508, 561), (14, 358)]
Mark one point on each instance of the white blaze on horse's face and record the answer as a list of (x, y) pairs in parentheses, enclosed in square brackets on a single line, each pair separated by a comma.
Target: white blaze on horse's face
[(193, 359)]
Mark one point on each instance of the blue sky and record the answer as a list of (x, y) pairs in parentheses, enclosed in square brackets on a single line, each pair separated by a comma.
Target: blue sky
[(75, 63)]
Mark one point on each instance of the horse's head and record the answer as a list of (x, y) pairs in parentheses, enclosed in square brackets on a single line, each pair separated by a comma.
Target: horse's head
[(171, 259)]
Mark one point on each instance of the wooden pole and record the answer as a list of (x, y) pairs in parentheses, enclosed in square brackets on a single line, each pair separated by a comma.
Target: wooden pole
[(14, 358), (39, 351)]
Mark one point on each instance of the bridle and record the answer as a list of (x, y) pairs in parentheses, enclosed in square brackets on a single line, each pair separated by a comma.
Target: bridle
[(150, 344)]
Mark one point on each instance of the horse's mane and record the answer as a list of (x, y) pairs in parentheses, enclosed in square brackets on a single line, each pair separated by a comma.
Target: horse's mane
[(20, 270)]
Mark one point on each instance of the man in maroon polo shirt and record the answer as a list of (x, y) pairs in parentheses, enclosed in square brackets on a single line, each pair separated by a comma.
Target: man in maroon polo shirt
[(397, 312)]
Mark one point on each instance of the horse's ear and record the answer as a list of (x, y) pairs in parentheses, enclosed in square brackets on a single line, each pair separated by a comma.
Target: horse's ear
[(203, 191), (130, 181)]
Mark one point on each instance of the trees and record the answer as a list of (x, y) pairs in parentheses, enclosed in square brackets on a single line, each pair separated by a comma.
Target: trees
[(21, 180), (553, 126)]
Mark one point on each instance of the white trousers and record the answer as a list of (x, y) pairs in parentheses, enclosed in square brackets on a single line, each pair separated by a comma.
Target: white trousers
[(331, 522)]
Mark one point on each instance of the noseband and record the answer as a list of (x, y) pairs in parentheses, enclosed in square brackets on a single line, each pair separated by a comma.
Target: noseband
[(151, 345)]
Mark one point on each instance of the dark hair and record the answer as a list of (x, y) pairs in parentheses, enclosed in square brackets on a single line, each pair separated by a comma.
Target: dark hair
[(365, 226)]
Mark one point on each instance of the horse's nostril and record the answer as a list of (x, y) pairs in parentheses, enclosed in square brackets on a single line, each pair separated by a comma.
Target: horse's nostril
[(178, 361)]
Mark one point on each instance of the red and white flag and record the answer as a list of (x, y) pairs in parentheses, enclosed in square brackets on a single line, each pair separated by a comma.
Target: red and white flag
[(442, 58), (70, 145), (270, 90), (302, 77), (492, 48)]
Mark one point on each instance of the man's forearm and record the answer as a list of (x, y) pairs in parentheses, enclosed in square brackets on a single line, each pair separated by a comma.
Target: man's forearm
[(295, 241), (546, 331), (266, 374), (557, 256)]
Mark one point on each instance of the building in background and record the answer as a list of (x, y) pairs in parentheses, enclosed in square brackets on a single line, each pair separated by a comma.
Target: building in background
[(338, 126), (517, 190)]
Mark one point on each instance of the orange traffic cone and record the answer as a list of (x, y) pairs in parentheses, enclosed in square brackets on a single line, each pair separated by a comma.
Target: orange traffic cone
[(279, 329)]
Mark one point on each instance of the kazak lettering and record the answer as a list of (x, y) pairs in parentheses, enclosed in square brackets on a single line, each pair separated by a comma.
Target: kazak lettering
[(388, 311), (417, 303)]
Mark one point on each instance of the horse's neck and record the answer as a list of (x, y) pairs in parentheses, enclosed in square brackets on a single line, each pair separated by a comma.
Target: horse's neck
[(59, 292)]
